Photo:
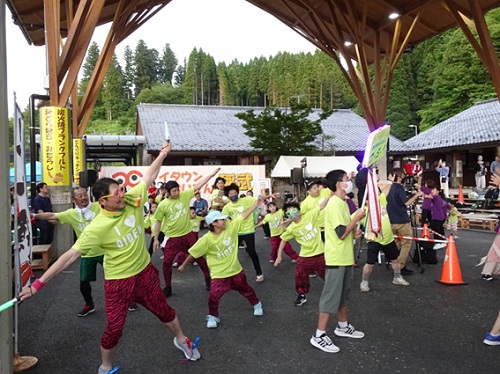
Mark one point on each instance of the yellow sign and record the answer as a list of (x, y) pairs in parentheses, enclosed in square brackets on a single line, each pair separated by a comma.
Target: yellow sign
[(55, 146), (78, 159), (376, 146)]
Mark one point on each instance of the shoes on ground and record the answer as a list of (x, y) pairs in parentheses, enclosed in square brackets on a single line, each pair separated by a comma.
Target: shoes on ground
[(400, 282), (439, 246), (260, 278), (212, 321), (406, 271), (487, 277), (101, 370), (313, 275), (175, 264), (348, 332), (257, 309), (294, 260), (133, 307), (324, 343), (363, 286), (301, 299), (86, 310), (491, 339), (190, 354)]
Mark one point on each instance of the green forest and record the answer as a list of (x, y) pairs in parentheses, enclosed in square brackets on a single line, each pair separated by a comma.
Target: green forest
[(434, 81)]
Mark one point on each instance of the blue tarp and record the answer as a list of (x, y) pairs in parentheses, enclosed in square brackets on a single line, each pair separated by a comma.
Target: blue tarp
[(28, 172)]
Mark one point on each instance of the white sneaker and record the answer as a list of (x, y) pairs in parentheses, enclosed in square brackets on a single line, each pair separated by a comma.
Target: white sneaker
[(259, 278), (212, 322), (400, 281), (324, 343), (363, 287), (348, 332), (439, 245)]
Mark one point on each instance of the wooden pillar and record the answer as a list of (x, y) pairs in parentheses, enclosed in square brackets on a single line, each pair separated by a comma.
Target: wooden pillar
[(457, 176)]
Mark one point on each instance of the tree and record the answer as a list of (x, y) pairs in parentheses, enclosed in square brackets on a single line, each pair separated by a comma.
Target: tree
[(161, 94), (88, 68), (146, 67), (113, 90), (275, 132), (168, 63), (129, 72), (180, 74)]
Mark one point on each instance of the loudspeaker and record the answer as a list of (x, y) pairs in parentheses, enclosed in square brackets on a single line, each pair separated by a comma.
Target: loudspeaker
[(87, 178), (297, 175)]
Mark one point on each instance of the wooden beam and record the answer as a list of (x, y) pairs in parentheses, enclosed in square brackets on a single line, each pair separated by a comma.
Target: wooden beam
[(52, 41)]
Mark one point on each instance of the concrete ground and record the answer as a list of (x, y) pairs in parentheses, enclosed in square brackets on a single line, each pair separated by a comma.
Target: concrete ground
[(424, 328)]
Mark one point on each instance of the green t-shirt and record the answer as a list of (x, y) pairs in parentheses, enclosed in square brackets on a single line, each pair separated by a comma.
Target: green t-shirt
[(310, 203), (79, 222), (121, 236), (386, 235), (217, 193), (195, 223), (453, 215), (274, 219), (338, 252), (306, 233), (150, 222), (175, 215), (221, 250), (235, 209)]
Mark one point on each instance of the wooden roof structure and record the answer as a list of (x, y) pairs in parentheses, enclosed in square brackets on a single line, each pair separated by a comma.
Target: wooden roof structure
[(373, 33)]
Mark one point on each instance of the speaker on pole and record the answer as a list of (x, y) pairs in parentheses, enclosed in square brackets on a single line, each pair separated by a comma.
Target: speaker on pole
[(297, 175), (88, 178)]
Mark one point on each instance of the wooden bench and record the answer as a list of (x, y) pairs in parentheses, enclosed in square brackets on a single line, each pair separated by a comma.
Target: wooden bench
[(43, 251), (481, 220)]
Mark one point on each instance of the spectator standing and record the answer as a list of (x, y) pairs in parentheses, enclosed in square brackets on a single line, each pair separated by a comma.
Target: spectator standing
[(480, 173), (495, 165), (444, 172), (42, 204), (200, 205), (418, 171)]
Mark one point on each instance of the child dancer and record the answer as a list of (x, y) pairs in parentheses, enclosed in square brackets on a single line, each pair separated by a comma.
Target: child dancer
[(274, 218), (220, 245)]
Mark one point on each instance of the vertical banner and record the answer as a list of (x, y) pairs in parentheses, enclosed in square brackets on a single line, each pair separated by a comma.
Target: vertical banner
[(22, 219), (55, 146), (78, 159)]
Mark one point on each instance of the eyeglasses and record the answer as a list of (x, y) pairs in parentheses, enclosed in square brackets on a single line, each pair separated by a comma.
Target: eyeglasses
[(116, 193)]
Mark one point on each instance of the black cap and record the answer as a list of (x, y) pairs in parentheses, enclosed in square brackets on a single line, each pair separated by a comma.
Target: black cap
[(171, 184)]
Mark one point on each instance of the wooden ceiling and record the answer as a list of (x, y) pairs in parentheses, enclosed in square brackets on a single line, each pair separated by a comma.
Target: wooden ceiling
[(319, 21), (357, 30)]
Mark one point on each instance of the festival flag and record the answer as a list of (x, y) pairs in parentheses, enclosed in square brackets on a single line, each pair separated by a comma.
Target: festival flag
[(374, 211), (22, 220), (376, 146)]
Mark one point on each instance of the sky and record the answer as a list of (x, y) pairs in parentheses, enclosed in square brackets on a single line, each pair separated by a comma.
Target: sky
[(225, 29)]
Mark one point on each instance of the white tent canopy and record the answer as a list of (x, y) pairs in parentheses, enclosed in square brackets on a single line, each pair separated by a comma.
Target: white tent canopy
[(317, 166)]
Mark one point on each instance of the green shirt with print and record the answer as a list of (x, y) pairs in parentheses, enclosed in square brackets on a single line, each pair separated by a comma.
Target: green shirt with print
[(175, 215), (310, 203), (235, 209), (121, 236), (306, 233), (221, 250), (79, 222), (275, 220)]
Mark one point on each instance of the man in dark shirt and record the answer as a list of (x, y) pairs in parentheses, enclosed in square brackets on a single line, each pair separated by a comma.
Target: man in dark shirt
[(42, 204), (397, 208)]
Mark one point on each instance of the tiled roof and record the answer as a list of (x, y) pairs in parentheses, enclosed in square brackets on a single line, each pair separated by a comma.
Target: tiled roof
[(215, 128), (478, 124)]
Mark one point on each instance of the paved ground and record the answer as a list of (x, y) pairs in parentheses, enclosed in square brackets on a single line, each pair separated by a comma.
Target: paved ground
[(424, 328)]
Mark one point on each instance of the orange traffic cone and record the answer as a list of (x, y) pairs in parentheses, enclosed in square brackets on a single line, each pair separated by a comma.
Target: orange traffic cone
[(461, 199), (425, 232), (451, 274)]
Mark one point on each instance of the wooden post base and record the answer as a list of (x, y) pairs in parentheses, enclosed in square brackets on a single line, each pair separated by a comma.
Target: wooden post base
[(24, 363)]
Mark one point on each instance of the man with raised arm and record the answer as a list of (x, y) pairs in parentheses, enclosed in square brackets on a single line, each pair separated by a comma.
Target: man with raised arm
[(79, 218), (129, 275)]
